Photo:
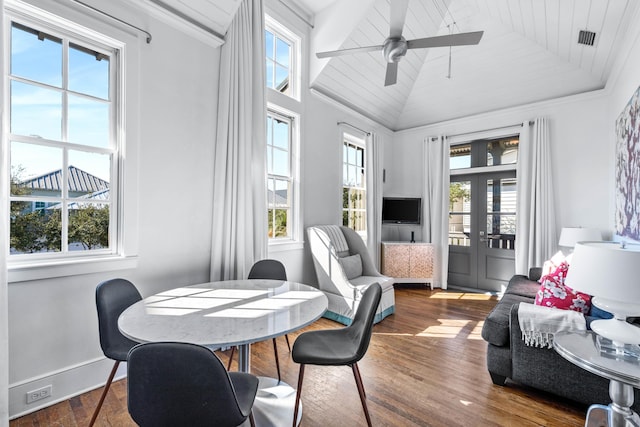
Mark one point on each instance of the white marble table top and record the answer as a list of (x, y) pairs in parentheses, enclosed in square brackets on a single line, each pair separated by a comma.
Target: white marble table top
[(221, 314)]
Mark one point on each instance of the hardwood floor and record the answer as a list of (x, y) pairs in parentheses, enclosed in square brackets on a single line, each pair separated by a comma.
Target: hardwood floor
[(425, 367)]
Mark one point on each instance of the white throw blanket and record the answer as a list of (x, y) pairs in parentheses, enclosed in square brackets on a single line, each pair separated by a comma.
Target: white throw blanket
[(538, 324)]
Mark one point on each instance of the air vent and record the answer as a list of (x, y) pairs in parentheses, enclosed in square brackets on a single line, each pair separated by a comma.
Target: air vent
[(586, 37)]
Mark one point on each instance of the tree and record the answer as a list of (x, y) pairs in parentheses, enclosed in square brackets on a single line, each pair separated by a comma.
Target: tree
[(458, 192), (280, 222), (27, 232), (41, 230), (90, 227), (26, 228)]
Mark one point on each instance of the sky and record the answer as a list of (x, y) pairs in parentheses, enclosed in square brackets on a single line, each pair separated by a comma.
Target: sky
[(37, 100)]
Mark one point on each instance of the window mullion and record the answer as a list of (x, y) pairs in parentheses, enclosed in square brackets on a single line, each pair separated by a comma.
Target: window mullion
[(65, 89), (64, 220)]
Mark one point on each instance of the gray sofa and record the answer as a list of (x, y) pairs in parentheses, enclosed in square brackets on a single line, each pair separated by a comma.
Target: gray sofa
[(540, 368)]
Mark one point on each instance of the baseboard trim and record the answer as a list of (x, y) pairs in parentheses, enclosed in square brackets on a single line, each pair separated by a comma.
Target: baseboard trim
[(65, 384)]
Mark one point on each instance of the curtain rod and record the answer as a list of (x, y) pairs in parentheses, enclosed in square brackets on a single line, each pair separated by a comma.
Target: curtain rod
[(355, 127), (117, 19), (488, 130), (295, 12)]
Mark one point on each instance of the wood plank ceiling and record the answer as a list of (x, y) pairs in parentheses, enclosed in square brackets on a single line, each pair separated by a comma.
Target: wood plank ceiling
[(529, 52)]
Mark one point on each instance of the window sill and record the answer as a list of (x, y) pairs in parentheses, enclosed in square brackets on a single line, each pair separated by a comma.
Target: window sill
[(22, 272), (287, 245)]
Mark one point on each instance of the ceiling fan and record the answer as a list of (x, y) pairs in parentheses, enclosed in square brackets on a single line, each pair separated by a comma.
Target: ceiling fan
[(395, 46)]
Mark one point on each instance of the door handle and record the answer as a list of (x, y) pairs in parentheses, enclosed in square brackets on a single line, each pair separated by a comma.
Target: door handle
[(491, 237)]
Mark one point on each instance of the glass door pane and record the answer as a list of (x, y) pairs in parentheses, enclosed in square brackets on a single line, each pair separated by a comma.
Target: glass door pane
[(501, 213), (460, 213)]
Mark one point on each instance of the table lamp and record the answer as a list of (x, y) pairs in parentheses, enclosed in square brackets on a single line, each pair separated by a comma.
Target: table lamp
[(569, 236), (610, 272)]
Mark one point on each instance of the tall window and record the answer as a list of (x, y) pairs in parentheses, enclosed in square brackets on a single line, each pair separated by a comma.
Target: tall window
[(282, 58), (61, 142), (354, 200), (279, 180)]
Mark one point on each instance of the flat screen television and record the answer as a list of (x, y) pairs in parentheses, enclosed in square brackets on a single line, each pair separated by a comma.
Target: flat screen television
[(401, 210)]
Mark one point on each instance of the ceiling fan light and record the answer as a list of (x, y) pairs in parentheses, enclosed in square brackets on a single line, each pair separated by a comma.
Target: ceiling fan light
[(394, 49)]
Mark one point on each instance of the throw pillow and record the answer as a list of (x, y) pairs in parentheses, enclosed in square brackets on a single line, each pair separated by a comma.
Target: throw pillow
[(554, 293), (552, 264), (352, 266), (599, 313)]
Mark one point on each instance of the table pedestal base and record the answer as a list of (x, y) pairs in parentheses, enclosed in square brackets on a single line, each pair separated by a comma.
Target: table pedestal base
[(616, 414), (274, 404)]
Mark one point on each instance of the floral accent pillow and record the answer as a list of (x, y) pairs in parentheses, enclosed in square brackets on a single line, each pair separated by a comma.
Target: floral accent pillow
[(554, 293), (552, 264)]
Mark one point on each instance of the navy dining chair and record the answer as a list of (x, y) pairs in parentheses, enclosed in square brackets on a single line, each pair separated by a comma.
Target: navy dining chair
[(339, 347), (273, 270), (112, 298), (182, 384)]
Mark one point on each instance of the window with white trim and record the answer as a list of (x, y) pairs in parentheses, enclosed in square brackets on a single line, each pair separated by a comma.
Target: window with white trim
[(354, 194), (282, 53), (282, 56), (279, 175), (62, 141)]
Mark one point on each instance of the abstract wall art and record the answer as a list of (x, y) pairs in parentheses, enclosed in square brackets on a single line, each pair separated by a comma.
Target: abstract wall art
[(627, 170)]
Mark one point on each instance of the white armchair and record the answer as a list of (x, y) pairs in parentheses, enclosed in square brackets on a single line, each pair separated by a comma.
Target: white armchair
[(344, 269)]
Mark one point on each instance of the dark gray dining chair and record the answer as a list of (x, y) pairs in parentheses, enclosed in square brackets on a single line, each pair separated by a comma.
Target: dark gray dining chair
[(339, 347), (181, 384), (112, 298), (274, 270)]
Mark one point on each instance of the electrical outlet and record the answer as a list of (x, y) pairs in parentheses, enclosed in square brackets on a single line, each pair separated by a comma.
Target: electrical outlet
[(39, 394)]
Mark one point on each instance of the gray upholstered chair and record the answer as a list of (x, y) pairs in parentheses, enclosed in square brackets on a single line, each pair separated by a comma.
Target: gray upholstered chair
[(339, 347), (112, 298), (344, 270), (274, 270), (182, 384)]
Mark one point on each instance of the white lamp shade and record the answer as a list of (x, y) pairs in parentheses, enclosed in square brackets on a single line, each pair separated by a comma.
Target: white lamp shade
[(569, 236), (606, 270)]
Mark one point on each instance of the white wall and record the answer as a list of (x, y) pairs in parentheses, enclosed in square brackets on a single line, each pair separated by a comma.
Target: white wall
[(53, 331), (322, 165), (578, 130)]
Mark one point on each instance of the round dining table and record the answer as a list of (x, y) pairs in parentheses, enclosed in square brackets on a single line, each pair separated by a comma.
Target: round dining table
[(229, 313)]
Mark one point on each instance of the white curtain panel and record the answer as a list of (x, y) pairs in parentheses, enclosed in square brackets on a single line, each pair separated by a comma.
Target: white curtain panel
[(373, 166), (536, 239), (4, 245), (239, 232), (435, 224)]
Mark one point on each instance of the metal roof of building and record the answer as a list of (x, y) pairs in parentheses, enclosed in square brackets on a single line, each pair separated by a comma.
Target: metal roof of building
[(79, 181)]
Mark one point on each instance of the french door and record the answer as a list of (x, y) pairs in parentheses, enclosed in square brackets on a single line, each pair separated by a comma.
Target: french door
[(482, 223)]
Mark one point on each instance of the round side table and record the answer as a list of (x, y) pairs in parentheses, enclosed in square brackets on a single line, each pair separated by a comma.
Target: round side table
[(582, 349)]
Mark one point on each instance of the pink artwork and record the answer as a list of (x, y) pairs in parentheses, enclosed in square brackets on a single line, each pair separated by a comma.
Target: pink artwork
[(627, 197)]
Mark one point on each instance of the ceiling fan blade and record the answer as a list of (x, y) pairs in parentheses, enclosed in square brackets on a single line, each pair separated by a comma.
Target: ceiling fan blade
[(460, 39), (342, 52), (392, 74), (398, 15)]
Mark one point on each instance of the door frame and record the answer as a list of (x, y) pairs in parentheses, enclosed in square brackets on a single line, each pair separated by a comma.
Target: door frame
[(484, 263)]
